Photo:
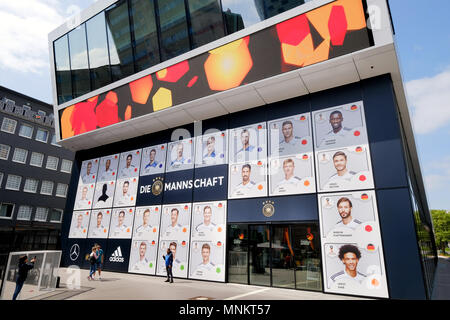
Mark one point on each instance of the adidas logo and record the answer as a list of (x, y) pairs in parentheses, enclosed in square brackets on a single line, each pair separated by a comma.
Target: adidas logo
[(117, 256)]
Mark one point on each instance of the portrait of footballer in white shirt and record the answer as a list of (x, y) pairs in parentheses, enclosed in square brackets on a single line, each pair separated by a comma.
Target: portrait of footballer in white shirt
[(88, 171), (175, 222), (248, 143), (292, 175), (121, 226), (125, 194), (129, 164), (211, 149), (107, 170), (208, 219), (206, 261), (179, 249), (146, 222), (99, 224), (143, 257), (340, 126), (344, 169), (180, 155), (247, 180), (290, 136), (104, 194), (84, 197), (79, 224), (153, 159)]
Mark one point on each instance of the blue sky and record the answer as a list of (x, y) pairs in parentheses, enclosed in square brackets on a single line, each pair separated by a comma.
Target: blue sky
[(423, 42)]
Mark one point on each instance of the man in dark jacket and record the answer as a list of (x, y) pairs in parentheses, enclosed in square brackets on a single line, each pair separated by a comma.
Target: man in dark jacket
[(169, 262), (24, 267)]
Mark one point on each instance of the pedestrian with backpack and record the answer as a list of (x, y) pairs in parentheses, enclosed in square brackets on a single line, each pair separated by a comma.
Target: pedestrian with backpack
[(93, 261)]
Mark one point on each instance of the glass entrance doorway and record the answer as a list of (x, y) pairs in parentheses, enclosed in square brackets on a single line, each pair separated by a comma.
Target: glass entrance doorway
[(286, 256)]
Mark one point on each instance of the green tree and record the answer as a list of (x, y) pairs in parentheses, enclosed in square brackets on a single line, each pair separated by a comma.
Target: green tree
[(441, 223)]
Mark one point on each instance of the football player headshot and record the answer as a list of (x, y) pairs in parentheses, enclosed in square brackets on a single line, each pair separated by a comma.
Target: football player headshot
[(337, 129), (206, 265), (209, 157), (129, 168), (120, 229), (350, 256), (246, 185), (290, 143), (77, 232), (340, 164), (87, 177), (345, 206), (84, 201), (145, 228), (290, 180), (207, 224), (107, 174), (174, 226), (99, 228), (176, 262), (242, 153), (152, 162), (124, 198), (142, 264), (179, 160)]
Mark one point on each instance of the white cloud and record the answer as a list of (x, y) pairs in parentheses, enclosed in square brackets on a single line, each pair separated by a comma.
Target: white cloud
[(430, 102)]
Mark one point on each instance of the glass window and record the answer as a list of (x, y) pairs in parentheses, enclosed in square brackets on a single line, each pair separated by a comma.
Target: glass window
[(31, 185), (6, 210), (62, 68), (66, 166), (206, 21), (119, 40), (79, 61), (54, 141), (98, 51), (41, 214), (36, 159), (13, 182), (20, 155), (61, 190), (9, 125), (42, 135), (24, 213), (259, 253), (26, 131), (174, 29), (4, 151), (52, 163), (56, 216), (145, 34), (47, 187), (238, 253)]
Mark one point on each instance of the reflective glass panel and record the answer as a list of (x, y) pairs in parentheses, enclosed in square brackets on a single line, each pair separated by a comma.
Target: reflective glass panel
[(259, 240), (98, 51), (174, 29), (206, 21), (62, 69), (145, 33), (79, 61), (119, 40), (237, 253), (282, 258)]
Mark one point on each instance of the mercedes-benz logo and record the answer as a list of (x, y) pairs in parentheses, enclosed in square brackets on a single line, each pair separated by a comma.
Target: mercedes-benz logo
[(74, 252)]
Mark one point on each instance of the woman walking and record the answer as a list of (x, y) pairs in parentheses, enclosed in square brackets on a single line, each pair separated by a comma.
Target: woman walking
[(93, 260)]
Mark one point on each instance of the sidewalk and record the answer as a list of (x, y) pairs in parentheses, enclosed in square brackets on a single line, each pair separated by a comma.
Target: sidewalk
[(441, 289), (125, 286)]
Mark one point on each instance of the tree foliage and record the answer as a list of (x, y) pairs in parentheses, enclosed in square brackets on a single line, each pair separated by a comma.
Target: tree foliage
[(441, 223)]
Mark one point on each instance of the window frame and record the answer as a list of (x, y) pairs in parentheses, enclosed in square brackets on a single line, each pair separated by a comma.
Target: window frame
[(12, 213), (36, 212), (14, 154), (42, 162), (71, 164), (57, 163), (29, 191), (24, 219), (36, 137), (42, 185), (61, 216), (26, 125), (3, 123), (9, 151), (20, 182), (56, 191)]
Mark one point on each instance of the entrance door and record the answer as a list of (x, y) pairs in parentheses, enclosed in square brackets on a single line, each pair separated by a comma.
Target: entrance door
[(282, 258), (259, 252)]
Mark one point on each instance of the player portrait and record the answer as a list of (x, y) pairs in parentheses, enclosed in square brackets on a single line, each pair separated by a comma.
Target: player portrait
[(104, 194), (121, 226), (143, 257), (79, 224), (180, 155), (350, 269), (247, 180), (129, 164), (292, 175), (179, 250), (344, 169), (340, 126), (88, 171), (107, 170), (209, 220), (211, 149), (175, 222), (85, 194), (290, 136), (99, 223), (125, 194), (153, 159), (207, 260), (146, 222), (248, 143)]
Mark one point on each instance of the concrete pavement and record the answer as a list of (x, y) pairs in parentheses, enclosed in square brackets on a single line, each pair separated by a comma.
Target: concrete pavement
[(441, 289)]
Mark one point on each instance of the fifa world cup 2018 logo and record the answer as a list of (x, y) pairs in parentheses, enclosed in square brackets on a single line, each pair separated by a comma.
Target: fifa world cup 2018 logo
[(268, 209), (157, 186)]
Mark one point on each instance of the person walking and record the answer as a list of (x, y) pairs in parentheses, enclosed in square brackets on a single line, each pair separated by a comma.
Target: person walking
[(100, 258), (93, 262), (169, 263), (24, 267)]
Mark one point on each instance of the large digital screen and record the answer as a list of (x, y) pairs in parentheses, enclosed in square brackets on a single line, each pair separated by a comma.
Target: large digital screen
[(332, 30), (352, 250)]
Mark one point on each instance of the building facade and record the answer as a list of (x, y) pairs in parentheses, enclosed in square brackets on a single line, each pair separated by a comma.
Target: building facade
[(263, 143)]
